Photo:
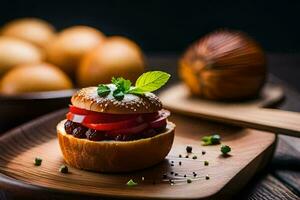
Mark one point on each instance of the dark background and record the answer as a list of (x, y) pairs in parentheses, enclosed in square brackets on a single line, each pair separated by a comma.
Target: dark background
[(170, 25)]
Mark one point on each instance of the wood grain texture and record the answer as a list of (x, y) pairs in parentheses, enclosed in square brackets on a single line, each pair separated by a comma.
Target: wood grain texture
[(251, 150), (244, 115), (269, 188)]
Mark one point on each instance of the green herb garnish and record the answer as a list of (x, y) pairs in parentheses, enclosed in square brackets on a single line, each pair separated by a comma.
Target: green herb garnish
[(118, 94), (147, 82), (131, 183), (211, 140), (189, 181), (38, 161), (225, 149), (121, 84), (63, 169), (103, 90)]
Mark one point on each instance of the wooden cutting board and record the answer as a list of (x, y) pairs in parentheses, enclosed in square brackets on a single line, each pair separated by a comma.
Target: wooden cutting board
[(251, 150)]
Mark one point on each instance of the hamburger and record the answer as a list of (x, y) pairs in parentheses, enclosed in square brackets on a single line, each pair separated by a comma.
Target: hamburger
[(117, 127)]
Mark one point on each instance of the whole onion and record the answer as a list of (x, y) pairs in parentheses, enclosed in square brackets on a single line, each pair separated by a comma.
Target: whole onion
[(224, 65)]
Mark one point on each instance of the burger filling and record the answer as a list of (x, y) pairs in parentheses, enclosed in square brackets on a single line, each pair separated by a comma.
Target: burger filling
[(97, 126)]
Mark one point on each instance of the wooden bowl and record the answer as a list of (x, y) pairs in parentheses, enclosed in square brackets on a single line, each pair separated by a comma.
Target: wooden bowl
[(16, 109)]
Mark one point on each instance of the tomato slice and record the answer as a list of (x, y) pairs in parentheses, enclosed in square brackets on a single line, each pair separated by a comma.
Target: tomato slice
[(118, 123), (96, 117), (114, 125), (79, 111), (133, 130)]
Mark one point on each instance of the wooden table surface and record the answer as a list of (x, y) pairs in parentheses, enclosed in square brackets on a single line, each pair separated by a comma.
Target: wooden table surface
[(281, 180)]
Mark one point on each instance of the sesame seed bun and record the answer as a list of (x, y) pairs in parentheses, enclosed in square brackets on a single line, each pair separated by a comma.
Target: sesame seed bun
[(115, 156), (87, 98)]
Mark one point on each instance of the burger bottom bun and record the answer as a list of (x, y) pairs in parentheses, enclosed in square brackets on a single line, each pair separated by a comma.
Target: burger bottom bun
[(115, 156)]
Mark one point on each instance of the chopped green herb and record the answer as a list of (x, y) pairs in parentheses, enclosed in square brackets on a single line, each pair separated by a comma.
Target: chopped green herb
[(118, 94), (103, 90), (215, 139), (206, 139), (206, 163), (147, 82), (212, 139), (225, 149), (189, 149), (38, 161), (63, 169), (121, 84), (131, 183), (188, 180)]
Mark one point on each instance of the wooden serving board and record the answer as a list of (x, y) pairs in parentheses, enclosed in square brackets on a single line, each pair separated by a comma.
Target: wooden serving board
[(251, 150)]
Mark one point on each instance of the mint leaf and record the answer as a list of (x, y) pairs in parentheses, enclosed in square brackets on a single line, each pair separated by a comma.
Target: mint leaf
[(121, 84), (103, 90), (149, 82)]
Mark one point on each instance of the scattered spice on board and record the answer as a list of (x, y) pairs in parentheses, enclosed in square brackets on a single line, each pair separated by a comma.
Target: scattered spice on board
[(189, 149), (131, 183), (211, 139), (38, 161), (225, 149), (63, 169), (206, 163)]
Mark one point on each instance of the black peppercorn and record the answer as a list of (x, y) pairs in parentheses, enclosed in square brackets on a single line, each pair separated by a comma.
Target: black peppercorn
[(189, 149), (63, 169), (38, 161)]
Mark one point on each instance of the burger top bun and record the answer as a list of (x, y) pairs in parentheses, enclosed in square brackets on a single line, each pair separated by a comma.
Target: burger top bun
[(14, 52), (33, 78), (87, 98), (35, 31), (117, 56), (68, 47)]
